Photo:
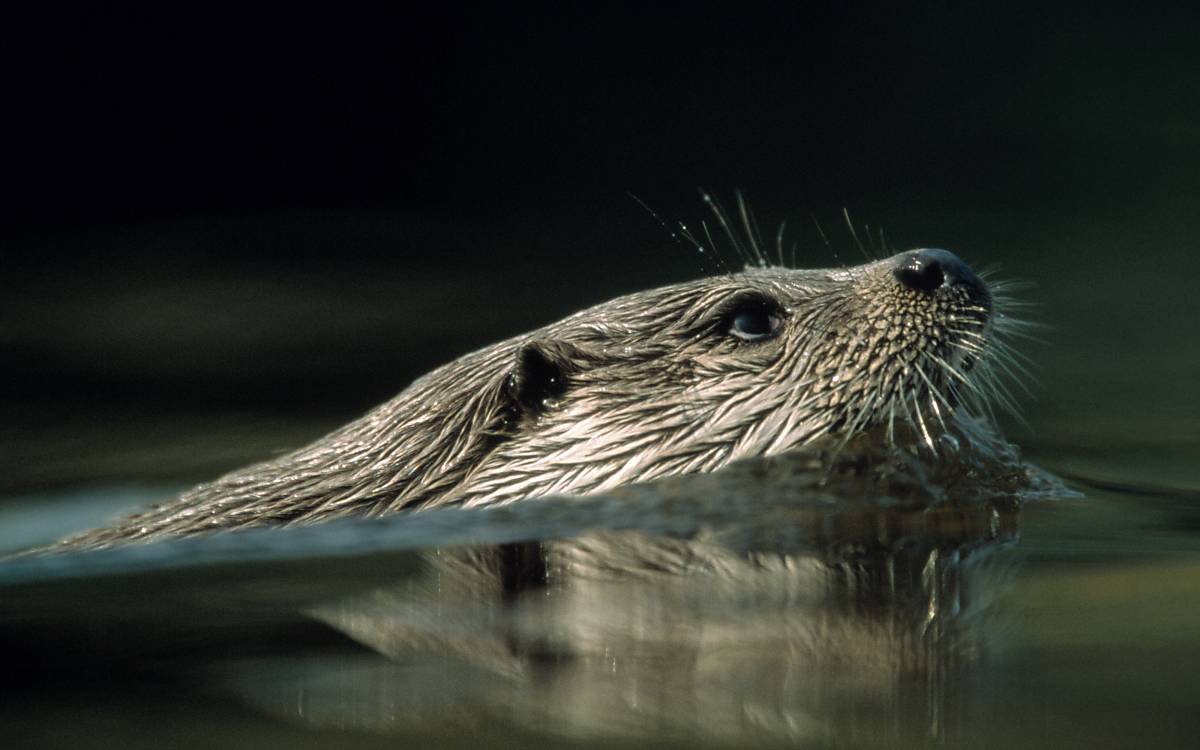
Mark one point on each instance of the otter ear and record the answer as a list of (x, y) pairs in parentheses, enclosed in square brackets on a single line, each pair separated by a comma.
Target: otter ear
[(542, 371)]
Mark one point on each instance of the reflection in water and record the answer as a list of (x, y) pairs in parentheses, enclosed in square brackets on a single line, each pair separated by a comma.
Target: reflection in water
[(851, 621), (778, 599)]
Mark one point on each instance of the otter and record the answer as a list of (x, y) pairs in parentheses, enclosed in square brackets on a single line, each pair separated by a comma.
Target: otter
[(676, 380)]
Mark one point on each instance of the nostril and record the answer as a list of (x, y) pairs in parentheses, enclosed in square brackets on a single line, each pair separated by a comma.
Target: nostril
[(921, 275), (930, 269)]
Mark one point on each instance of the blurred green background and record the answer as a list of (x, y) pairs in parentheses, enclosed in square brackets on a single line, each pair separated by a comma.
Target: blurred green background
[(226, 233)]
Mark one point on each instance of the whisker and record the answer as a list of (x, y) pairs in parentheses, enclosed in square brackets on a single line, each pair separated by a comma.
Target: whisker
[(854, 234), (779, 242), (750, 227)]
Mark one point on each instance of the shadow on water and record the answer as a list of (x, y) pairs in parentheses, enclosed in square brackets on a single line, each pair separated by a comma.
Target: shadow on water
[(756, 604)]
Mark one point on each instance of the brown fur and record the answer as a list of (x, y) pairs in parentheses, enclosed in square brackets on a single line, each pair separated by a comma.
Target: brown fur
[(647, 385)]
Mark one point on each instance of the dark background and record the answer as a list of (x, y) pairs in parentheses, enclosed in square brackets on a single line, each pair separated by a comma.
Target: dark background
[(226, 231)]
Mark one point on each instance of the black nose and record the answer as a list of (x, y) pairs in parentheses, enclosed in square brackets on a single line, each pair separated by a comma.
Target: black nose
[(930, 269)]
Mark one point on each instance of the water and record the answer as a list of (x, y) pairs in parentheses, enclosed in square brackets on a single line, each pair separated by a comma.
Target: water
[(747, 616), (772, 614)]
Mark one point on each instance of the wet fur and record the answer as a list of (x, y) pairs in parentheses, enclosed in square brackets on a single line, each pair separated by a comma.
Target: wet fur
[(644, 386)]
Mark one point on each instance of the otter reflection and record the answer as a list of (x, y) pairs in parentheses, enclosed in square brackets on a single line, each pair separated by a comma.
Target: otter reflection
[(791, 611)]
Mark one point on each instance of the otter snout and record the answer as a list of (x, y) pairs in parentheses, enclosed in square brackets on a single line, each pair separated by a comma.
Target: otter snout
[(930, 269)]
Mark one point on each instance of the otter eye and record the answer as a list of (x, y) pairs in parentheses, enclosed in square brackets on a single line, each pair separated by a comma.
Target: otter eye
[(755, 320)]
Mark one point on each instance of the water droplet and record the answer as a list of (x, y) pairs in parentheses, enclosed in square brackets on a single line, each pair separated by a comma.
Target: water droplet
[(950, 442)]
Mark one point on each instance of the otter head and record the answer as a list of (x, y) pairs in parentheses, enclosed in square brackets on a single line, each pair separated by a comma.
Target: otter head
[(690, 377), (674, 380)]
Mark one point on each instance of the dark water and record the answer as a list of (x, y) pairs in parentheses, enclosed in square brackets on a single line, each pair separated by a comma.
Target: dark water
[(722, 619), (738, 618), (746, 609)]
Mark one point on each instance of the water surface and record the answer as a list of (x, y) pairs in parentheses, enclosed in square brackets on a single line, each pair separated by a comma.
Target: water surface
[(773, 613)]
